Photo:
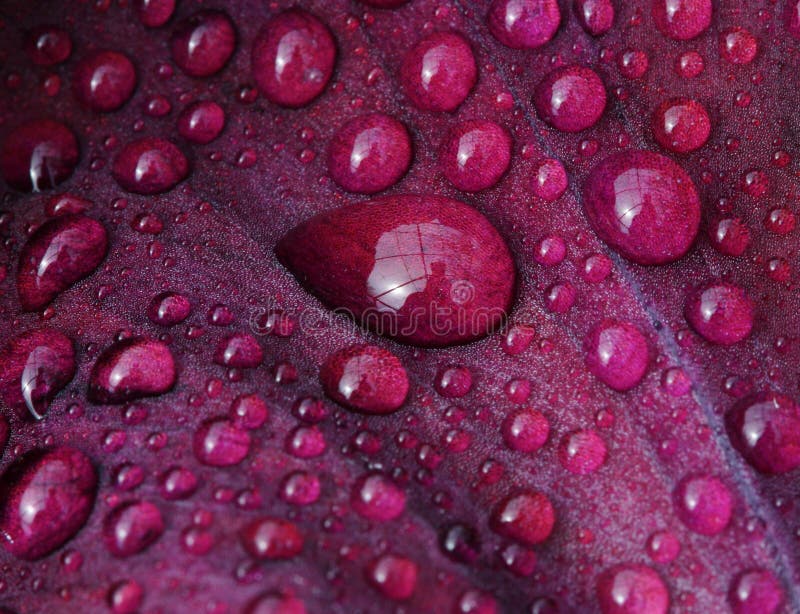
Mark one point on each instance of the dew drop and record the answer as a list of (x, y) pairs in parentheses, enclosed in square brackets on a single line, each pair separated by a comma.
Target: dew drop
[(203, 43), (38, 155), (220, 443), (375, 497), (365, 378), (682, 19), (439, 72), (582, 452), (104, 80), (475, 155), (703, 503), (632, 589), (271, 538), (523, 24), (617, 354), (571, 98), (132, 527), (681, 125), (527, 517), (369, 153), (394, 576), (201, 122)]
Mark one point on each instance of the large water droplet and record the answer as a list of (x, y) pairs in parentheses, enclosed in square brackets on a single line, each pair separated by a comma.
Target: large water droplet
[(220, 443), (422, 269), (643, 205), (60, 253), (201, 122), (595, 16)]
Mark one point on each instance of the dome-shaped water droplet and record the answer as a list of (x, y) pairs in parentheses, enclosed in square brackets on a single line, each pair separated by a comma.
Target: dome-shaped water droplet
[(369, 153), (201, 122), (130, 369), (523, 24), (393, 575), (439, 72), (60, 253), (632, 589), (104, 80), (38, 155), (376, 497), (475, 155), (271, 538), (132, 527), (150, 166), (617, 354), (203, 43), (703, 503), (422, 269), (527, 517), (365, 378), (682, 19), (643, 205), (720, 312), (45, 498), (681, 125), (293, 58), (571, 98)]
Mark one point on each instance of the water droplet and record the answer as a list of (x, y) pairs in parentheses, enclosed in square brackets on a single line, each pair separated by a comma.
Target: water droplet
[(475, 155), (46, 498), (47, 45), (527, 517), (690, 64), (376, 497), (293, 58), (423, 269), (201, 122), (276, 603), (300, 488), (249, 411), (270, 538), (765, 429), (150, 166), (663, 547), (394, 576), (703, 503), (240, 351), (721, 313), (755, 591), (220, 443), (682, 19), (461, 543), (729, 236), (633, 63), (453, 381), (38, 155), (737, 46), (582, 452), (439, 72), (34, 367), (131, 527), (617, 354), (154, 13), (203, 43), (526, 430), (178, 483), (643, 205), (571, 98), (60, 253), (168, 309), (523, 24), (476, 602), (681, 125), (549, 180), (130, 369), (365, 378), (632, 589), (104, 80), (369, 153), (595, 16), (305, 442), (125, 597)]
